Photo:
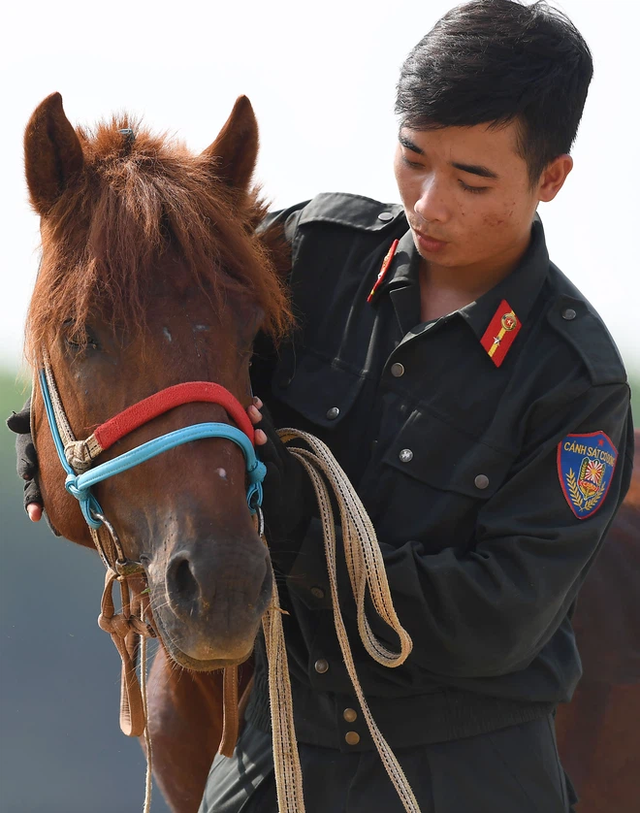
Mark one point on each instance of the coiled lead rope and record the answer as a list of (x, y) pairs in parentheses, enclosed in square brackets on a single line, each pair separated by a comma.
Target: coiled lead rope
[(366, 572)]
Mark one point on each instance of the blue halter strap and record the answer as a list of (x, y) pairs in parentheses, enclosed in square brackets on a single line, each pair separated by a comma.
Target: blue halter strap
[(79, 485)]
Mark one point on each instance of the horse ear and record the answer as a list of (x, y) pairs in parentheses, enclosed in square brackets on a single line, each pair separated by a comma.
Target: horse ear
[(235, 150), (52, 151)]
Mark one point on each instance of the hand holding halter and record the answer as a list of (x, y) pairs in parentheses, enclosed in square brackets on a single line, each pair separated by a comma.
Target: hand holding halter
[(288, 495), (27, 463)]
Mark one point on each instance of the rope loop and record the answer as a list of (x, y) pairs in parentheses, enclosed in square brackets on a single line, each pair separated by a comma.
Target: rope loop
[(89, 505), (71, 484), (367, 575), (117, 624)]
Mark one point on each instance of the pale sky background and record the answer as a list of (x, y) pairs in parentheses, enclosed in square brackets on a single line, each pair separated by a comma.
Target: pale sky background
[(321, 77)]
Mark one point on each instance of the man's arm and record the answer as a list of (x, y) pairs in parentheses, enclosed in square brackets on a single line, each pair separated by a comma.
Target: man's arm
[(489, 610)]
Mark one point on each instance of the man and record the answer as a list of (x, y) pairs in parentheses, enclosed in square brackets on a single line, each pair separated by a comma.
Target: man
[(480, 408)]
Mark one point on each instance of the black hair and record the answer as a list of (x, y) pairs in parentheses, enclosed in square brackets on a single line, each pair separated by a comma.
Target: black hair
[(500, 61)]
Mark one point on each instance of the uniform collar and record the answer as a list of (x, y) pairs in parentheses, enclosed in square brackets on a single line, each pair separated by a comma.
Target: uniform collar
[(520, 289), (403, 283), (405, 265)]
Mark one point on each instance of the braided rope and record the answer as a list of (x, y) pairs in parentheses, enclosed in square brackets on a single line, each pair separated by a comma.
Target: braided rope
[(61, 416), (366, 572), (148, 779), (286, 760)]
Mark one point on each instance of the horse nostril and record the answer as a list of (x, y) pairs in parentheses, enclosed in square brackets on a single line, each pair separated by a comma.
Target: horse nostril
[(181, 583)]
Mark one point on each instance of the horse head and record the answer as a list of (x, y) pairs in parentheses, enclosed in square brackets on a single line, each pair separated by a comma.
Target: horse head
[(152, 276)]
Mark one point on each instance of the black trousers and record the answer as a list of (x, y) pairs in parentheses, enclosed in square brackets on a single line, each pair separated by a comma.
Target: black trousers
[(512, 770)]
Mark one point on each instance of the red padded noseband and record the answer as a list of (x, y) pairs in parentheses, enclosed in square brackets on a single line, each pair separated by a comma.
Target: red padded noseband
[(190, 392)]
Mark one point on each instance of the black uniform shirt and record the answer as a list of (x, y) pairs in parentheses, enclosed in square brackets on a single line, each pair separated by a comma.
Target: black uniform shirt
[(460, 465)]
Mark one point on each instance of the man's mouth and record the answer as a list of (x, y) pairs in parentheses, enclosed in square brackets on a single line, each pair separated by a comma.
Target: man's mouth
[(428, 241)]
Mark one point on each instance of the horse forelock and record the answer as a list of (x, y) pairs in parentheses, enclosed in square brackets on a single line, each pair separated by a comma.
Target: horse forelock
[(134, 203)]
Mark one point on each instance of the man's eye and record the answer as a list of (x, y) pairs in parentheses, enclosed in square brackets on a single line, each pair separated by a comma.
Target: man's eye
[(475, 190), (411, 164)]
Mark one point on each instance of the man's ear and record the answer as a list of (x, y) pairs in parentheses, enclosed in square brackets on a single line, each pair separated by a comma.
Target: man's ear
[(553, 177)]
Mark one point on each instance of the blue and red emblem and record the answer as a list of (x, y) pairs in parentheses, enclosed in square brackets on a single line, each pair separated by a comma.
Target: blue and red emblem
[(585, 466)]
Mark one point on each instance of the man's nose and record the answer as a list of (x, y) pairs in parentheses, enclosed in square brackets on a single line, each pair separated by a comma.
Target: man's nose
[(433, 204)]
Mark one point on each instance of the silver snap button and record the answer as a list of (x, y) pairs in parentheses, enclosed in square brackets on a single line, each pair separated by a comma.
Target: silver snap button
[(352, 737), (397, 369), (333, 413), (385, 216), (481, 481), (569, 314), (321, 666), (350, 715), (317, 592), (406, 456)]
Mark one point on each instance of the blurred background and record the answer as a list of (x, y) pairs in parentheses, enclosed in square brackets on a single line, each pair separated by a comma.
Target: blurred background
[(321, 78)]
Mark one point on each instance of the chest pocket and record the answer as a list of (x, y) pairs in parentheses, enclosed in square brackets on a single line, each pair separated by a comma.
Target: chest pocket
[(321, 391), (448, 459)]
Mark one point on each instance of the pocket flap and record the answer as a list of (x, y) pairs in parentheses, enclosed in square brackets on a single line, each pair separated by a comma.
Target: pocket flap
[(447, 458), (320, 390)]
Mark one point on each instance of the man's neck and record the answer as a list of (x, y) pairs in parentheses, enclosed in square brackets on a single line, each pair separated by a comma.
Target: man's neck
[(445, 289)]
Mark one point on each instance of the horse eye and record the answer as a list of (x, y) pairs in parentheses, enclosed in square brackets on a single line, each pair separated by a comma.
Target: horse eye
[(71, 343), (76, 341)]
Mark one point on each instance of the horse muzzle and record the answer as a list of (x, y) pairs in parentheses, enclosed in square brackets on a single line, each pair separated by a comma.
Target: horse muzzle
[(206, 620)]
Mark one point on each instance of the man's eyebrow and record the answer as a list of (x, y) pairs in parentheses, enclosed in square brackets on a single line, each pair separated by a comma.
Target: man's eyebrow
[(406, 142), (476, 169), (473, 169)]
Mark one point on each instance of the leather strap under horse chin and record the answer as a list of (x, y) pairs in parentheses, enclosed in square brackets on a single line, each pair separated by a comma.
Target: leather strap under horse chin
[(77, 458)]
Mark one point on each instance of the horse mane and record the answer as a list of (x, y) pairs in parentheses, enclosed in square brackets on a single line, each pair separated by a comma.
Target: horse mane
[(134, 202)]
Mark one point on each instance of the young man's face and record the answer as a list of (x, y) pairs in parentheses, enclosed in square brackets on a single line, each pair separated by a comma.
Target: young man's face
[(467, 196)]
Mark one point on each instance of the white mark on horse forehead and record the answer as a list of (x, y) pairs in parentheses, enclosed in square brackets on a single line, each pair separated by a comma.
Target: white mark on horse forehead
[(167, 334), (200, 328), (222, 473)]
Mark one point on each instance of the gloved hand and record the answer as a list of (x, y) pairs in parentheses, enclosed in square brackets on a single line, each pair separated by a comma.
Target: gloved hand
[(288, 496), (27, 463)]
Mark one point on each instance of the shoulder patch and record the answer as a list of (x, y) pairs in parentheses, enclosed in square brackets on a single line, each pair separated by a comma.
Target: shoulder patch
[(585, 467), (354, 211)]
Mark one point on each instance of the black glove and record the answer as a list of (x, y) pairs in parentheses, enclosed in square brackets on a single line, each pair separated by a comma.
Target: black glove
[(288, 496), (26, 457)]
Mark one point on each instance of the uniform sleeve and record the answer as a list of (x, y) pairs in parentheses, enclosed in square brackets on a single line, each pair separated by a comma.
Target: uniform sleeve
[(490, 609)]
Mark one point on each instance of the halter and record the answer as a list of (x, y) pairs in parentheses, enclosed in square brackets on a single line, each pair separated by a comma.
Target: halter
[(83, 452), (129, 626)]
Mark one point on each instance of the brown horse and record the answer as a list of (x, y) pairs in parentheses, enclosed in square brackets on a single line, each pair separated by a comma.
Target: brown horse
[(152, 276)]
